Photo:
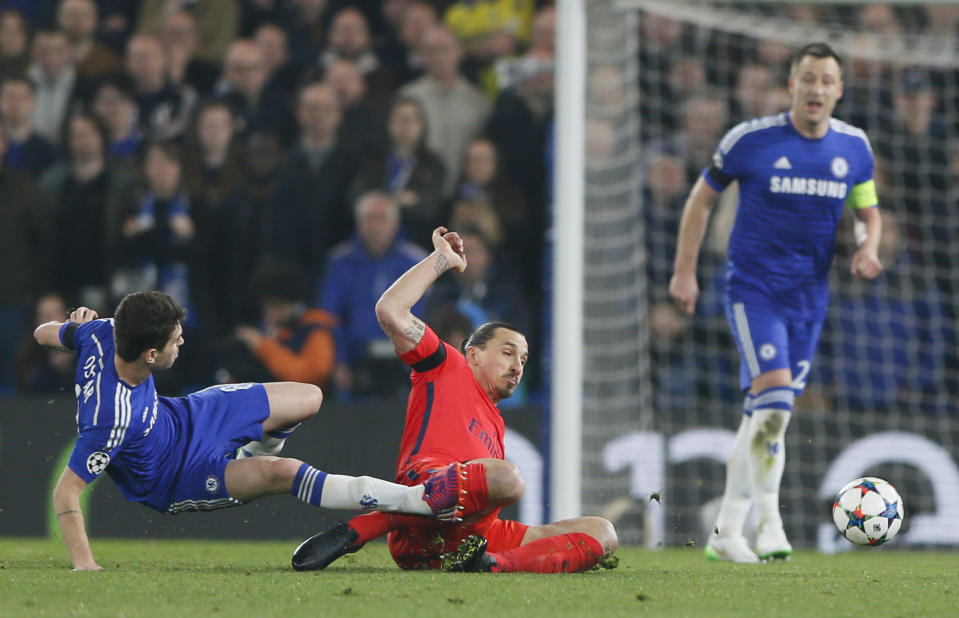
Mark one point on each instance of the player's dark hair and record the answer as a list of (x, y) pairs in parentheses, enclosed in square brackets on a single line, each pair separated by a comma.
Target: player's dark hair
[(145, 320), (484, 333), (816, 50)]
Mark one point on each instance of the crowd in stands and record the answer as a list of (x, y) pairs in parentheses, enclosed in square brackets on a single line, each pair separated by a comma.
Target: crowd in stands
[(274, 165)]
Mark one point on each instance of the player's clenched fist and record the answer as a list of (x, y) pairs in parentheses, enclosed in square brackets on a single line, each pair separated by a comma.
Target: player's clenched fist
[(450, 247), (83, 314)]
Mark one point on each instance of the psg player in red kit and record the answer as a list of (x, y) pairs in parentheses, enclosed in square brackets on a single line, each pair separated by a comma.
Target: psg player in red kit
[(453, 424)]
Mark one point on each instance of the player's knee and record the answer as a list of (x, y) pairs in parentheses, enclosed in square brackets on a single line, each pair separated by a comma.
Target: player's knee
[(603, 531), (313, 399), (505, 483), (281, 471)]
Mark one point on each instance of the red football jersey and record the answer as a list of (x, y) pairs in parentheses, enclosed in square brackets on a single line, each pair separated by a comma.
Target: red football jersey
[(449, 416)]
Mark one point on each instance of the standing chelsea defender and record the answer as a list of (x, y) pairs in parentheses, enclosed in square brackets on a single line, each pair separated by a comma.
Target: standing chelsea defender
[(796, 172), (208, 450), (453, 426)]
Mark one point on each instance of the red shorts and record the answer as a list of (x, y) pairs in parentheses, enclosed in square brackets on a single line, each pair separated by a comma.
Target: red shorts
[(420, 547)]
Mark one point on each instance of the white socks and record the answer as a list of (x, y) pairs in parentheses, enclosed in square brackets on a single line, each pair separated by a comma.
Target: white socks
[(755, 467), (368, 493), (737, 497)]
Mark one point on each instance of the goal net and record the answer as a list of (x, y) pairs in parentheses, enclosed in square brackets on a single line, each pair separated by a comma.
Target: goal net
[(661, 401)]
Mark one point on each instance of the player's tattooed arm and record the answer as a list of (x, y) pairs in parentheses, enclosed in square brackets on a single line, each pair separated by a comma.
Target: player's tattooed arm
[(442, 264), (386, 326), (415, 330)]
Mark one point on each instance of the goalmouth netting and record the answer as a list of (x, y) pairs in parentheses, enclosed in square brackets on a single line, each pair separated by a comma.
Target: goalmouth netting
[(665, 80)]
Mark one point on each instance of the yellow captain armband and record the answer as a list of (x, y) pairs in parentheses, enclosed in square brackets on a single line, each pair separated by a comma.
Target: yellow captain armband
[(863, 195)]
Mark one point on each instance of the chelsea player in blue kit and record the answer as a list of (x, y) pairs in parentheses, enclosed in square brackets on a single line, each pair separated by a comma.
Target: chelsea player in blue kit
[(212, 449), (796, 172)]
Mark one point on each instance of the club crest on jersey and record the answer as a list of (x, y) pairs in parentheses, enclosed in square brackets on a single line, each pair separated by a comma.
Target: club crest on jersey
[(98, 462), (767, 351), (839, 167), (212, 484)]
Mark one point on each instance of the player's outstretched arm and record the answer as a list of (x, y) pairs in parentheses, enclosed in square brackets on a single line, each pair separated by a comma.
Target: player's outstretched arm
[(683, 287), (48, 334), (66, 504), (865, 261), (393, 309)]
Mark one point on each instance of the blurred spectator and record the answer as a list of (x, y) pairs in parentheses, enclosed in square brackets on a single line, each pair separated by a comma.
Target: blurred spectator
[(87, 194), (14, 43), (217, 23), (880, 21), (78, 20), (489, 29), (180, 42), (56, 80), (483, 180), (479, 215), (212, 164), (157, 232), (455, 109), (487, 290), (538, 58), (606, 91), (282, 73), (359, 271), (775, 56), (363, 128), (306, 24), (163, 108), (407, 169), (114, 105), (240, 231), (753, 85), (409, 21), (45, 370), (349, 38), (244, 84), (295, 343), (314, 213), (450, 324), (24, 250), (777, 100), (664, 192), (705, 117), (519, 125), (26, 150), (116, 22), (660, 45)]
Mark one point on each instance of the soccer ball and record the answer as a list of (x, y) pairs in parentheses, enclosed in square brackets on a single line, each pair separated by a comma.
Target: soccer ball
[(868, 511)]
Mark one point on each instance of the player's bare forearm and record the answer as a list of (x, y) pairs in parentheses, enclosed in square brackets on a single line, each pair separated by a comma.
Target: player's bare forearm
[(48, 335), (394, 308), (683, 287), (66, 504), (873, 220), (692, 227)]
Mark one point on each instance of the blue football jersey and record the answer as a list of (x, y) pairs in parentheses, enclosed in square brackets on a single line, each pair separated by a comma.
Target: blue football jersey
[(124, 430), (792, 190)]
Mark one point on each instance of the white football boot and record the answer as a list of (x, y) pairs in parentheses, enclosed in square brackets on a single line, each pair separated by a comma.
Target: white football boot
[(772, 544), (731, 548)]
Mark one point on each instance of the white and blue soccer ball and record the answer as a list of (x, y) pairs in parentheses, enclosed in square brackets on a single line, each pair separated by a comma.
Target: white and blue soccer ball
[(868, 511)]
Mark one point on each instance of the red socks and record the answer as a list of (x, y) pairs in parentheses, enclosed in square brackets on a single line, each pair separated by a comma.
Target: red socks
[(563, 553)]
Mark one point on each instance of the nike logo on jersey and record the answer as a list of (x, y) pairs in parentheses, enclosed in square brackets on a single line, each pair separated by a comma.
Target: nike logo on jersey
[(807, 186), (782, 163)]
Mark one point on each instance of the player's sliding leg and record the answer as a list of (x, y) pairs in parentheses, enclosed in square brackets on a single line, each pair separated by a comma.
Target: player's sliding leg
[(727, 541), (488, 484), (290, 404), (569, 546), (767, 458)]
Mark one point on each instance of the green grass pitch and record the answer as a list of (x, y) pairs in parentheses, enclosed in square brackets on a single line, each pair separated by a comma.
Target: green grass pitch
[(219, 578)]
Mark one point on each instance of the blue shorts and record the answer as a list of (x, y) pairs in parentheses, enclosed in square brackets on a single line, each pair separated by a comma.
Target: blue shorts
[(767, 340), (213, 423)]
